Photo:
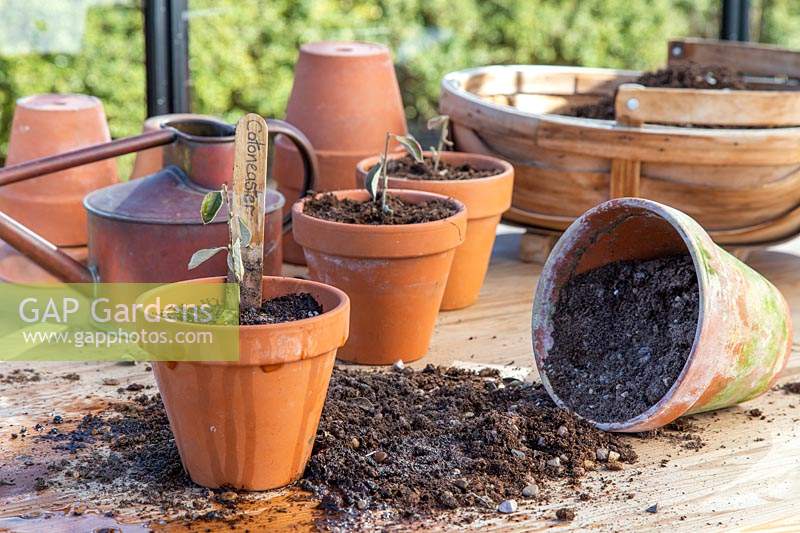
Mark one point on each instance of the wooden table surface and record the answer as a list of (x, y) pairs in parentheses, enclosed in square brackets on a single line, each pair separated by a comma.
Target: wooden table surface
[(746, 477)]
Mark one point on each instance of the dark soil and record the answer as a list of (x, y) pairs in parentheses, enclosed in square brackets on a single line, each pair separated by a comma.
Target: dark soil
[(622, 334), (791, 388), (286, 308), (411, 443), (408, 168), (425, 441), (329, 207), (691, 76), (20, 375)]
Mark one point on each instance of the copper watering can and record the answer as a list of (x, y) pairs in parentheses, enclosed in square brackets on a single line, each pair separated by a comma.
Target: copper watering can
[(147, 229)]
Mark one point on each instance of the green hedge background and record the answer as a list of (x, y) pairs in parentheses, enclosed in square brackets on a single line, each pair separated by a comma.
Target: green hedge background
[(243, 51)]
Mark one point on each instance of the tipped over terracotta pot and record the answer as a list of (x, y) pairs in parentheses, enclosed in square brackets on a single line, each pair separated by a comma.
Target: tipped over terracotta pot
[(250, 424), (744, 331), (395, 275), (485, 198)]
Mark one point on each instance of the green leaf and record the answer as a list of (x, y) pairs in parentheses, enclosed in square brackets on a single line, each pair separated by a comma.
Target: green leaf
[(212, 203), (201, 256), (372, 179), (411, 145), (244, 232), (238, 265), (438, 121)]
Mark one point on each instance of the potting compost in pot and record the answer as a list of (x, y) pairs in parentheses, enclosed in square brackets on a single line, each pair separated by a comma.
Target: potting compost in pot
[(622, 335)]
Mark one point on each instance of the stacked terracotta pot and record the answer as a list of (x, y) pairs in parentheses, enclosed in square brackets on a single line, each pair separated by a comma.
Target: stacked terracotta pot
[(51, 205), (345, 98)]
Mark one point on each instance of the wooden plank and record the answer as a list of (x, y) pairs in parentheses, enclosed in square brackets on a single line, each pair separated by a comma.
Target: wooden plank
[(746, 58), (667, 144), (636, 105), (744, 477), (625, 176)]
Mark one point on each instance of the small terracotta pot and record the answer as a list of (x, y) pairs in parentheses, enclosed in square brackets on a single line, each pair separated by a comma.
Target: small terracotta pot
[(345, 98), (251, 423), (152, 160), (394, 275), (49, 124), (485, 198), (744, 330)]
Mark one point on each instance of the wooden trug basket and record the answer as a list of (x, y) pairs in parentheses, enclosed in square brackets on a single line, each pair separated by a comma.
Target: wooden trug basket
[(740, 181)]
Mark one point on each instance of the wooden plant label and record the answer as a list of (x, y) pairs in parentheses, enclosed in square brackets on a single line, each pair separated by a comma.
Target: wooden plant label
[(248, 202)]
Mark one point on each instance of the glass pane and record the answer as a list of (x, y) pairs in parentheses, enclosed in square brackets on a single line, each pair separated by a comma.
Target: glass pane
[(92, 47)]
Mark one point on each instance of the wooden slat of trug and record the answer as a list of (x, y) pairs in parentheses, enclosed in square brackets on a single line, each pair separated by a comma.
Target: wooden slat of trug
[(625, 176), (636, 104), (746, 58)]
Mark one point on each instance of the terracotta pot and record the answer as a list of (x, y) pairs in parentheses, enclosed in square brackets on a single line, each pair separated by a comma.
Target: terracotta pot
[(152, 160), (744, 330), (49, 124), (394, 275), (485, 198), (345, 98), (251, 423)]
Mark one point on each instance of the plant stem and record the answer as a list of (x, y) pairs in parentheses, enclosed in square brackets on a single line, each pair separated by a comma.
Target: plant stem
[(385, 176)]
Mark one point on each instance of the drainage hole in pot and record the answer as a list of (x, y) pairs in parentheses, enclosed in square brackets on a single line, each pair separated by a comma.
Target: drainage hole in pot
[(622, 334)]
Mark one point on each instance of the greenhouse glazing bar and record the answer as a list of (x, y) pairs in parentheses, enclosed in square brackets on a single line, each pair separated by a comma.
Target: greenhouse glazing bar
[(735, 20), (167, 56)]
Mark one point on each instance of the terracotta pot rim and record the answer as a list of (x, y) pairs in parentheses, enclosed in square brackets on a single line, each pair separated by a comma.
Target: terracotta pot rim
[(87, 102), (341, 305), (297, 210), (504, 166), (380, 241), (565, 245)]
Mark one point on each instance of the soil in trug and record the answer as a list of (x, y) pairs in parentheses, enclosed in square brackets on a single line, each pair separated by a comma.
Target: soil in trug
[(288, 308), (410, 443), (408, 168), (622, 334), (691, 76), (329, 207)]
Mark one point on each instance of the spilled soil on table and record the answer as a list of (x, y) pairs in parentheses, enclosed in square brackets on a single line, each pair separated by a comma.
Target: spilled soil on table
[(400, 445)]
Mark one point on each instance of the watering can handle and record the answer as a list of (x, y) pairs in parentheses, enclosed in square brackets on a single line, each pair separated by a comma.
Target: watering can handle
[(303, 145)]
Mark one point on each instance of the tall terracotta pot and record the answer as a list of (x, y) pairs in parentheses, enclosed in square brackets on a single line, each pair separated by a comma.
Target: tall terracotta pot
[(345, 98), (485, 198), (394, 275), (152, 160), (250, 424), (744, 331), (49, 124)]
